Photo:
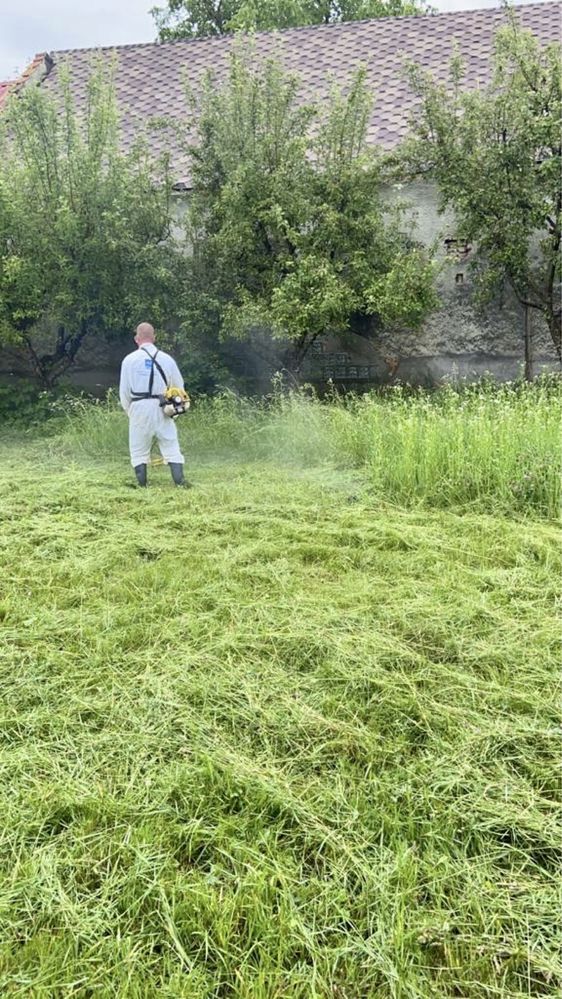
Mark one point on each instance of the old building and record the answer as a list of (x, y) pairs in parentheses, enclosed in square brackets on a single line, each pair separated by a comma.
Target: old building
[(456, 340)]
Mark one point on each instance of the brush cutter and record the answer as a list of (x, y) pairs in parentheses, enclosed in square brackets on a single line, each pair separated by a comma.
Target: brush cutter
[(174, 402)]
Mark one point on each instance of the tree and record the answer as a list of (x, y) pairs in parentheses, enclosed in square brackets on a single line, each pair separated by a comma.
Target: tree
[(496, 156), (287, 224), (83, 226), (194, 18)]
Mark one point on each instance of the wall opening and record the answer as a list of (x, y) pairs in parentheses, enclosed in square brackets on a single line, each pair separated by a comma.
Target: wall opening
[(457, 248)]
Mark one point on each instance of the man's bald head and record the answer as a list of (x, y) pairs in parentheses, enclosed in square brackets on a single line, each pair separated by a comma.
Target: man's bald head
[(144, 333)]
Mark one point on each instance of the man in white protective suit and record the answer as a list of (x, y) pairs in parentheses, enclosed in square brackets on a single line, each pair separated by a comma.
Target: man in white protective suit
[(145, 376)]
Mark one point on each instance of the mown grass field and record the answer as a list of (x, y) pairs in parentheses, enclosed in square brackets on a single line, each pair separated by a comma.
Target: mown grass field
[(293, 733)]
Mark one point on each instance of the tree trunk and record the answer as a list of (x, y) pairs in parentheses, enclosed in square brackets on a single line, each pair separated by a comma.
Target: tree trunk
[(295, 355), (554, 320), (528, 344), (49, 368)]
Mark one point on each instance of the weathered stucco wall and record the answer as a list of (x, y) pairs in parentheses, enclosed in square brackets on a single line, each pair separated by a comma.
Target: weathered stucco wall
[(457, 340)]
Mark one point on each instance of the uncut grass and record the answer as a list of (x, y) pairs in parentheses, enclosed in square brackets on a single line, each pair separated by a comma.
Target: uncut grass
[(485, 448), (271, 738)]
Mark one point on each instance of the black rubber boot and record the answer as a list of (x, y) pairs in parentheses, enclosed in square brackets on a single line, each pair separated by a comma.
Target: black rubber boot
[(140, 472), (176, 468)]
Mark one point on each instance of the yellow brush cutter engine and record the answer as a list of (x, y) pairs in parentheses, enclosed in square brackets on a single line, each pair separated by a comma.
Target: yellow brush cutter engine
[(174, 402)]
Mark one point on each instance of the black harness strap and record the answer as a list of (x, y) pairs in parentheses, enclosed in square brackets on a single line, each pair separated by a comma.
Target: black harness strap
[(158, 367), (149, 395)]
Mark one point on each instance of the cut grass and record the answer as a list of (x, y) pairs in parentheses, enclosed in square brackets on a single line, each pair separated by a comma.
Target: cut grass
[(272, 737)]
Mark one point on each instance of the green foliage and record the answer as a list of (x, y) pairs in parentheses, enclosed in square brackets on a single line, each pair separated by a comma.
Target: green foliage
[(496, 155), (82, 225), (288, 228), (405, 294), (201, 357), (193, 18), (272, 738), (22, 405)]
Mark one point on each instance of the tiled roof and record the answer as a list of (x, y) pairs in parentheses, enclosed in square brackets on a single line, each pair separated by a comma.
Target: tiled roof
[(150, 78), (36, 69)]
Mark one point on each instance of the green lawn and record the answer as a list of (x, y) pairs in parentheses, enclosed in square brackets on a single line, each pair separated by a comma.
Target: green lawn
[(273, 737)]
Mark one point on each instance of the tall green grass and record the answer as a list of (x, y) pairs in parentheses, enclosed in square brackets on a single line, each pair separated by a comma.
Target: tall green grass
[(483, 447)]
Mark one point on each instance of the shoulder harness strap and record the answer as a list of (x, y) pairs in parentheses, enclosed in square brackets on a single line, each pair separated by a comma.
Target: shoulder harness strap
[(158, 367)]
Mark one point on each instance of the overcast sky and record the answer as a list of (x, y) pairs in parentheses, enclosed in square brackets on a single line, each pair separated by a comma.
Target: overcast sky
[(30, 26)]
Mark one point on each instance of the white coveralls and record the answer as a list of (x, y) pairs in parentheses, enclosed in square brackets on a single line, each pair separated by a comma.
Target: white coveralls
[(146, 419)]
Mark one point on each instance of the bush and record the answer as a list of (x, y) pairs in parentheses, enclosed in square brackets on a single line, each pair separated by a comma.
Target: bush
[(23, 404)]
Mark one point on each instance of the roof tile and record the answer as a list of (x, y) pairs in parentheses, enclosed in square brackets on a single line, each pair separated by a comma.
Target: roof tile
[(149, 78)]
